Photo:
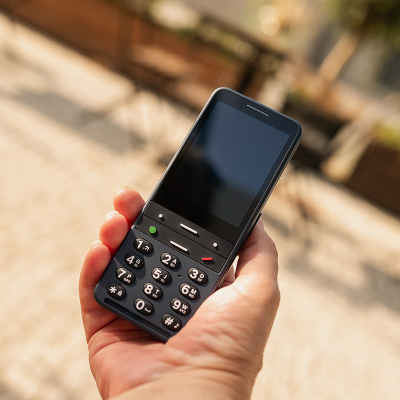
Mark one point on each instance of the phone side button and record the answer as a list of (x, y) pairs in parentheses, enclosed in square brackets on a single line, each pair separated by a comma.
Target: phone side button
[(255, 223)]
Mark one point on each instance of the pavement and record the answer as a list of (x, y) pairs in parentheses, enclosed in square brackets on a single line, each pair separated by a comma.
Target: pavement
[(71, 132)]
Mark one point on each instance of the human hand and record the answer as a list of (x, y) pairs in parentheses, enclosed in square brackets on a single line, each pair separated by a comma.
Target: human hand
[(219, 349)]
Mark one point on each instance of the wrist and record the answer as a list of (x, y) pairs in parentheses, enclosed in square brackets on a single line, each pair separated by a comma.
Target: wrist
[(196, 384)]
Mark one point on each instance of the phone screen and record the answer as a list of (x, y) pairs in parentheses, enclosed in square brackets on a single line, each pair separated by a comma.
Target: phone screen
[(227, 163)]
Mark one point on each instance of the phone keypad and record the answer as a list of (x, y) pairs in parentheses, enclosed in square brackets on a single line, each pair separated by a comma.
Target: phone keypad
[(152, 291), (153, 283), (161, 275), (125, 276)]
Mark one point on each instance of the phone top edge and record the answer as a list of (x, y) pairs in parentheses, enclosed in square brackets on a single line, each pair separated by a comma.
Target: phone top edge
[(220, 89)]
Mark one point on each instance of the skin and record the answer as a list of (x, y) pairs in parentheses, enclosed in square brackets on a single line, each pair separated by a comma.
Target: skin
[(218, 354)]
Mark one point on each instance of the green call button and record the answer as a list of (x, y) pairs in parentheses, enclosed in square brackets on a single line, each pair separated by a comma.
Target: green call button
[(152, 230)]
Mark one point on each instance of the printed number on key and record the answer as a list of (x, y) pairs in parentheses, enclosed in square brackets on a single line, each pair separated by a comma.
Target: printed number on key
[(198, 276), (162, 276), (189, 291), (180, 306), (152, 291)]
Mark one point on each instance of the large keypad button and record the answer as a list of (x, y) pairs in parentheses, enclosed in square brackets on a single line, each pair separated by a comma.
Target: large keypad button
[(161, 275), (126, 276), (180, 306), (198, 276), (143, 246), (171, 322), (134, 261), (144, 306), (170, 261), (152, 291), (116, 291), (189, 291)]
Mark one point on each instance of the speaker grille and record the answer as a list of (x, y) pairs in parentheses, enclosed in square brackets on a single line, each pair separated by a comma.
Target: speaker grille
[(257, 110)]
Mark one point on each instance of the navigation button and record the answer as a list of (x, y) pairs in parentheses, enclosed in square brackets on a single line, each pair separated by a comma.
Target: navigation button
[(178, 246), (189, 229)]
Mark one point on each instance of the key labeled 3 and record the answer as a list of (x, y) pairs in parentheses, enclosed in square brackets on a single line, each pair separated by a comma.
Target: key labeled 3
[(198, 276)]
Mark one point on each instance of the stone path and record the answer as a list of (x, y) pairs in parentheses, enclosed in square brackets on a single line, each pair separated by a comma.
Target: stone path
[(71, 132)]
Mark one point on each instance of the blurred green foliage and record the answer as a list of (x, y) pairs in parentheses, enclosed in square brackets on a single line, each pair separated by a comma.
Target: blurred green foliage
[(368, 17), (388, 136)]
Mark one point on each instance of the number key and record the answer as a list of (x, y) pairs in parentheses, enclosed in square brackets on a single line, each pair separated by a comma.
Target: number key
[(180, 306), (170, 260), (143, 246), (134, 261), (144, 306), (152, 291), (189, 291), (198, 276), (162, 276), (126, 276)]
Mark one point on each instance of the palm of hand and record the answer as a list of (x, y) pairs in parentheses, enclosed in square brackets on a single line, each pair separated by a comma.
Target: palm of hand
[(220, 335)]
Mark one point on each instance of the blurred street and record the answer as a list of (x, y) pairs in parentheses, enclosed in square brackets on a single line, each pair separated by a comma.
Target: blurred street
[(71, 133)]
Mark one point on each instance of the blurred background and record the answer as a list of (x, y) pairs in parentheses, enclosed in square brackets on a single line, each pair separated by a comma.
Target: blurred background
[(95, 94)]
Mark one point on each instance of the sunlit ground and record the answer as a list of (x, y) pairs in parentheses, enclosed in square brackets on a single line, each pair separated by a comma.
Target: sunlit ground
[(71, 133)]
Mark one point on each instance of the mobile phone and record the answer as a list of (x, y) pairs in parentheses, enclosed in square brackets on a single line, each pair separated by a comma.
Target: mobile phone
[(183, 243)]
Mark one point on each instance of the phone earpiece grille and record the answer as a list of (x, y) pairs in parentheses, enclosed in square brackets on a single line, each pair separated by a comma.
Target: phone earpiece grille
[(257, 110)]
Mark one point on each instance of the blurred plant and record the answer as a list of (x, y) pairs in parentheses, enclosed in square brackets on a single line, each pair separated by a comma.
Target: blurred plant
[(388, 136), (361, 18)]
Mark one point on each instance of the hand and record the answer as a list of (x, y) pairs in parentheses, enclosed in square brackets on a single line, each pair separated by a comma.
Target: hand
[(220, 348)]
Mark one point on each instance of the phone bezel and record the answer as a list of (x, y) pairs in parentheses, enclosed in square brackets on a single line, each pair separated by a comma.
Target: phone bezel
[(201, 217)]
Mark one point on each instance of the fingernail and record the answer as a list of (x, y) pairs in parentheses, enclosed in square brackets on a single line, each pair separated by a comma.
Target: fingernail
[(111, 213), (95, 243), (121, 188)]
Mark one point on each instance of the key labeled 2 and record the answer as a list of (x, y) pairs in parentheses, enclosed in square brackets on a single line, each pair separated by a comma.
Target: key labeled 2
[(161, 275), (170, 261)]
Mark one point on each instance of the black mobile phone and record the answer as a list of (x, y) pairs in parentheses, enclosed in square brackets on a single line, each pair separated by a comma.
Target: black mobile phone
[(204, 207)]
